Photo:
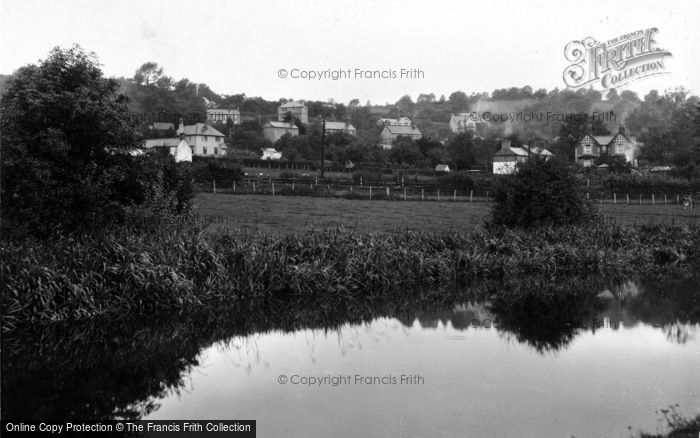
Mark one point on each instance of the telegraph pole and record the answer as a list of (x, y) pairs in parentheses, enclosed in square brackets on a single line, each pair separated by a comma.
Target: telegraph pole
[(323, 144)]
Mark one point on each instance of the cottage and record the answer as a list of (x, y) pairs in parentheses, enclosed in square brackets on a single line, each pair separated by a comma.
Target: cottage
[(273, 131), (204, 140), (296, 109), (442, 168), (506, 158), (340, 127), (176, 147), (271, 154), (590, 147), (392, 132)]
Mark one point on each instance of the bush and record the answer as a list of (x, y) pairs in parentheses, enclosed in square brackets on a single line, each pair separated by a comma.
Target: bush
[(540, 193)]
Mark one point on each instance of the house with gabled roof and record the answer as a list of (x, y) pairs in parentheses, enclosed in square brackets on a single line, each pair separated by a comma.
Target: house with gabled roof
[(205, 140), (273, 131), (391, 133), (340, 127), (591, 147), (507, 157)]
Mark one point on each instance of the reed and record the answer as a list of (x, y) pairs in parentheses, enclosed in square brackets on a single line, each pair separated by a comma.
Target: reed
[(116, 273)]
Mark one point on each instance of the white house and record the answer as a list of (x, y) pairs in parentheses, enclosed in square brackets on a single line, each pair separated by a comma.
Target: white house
[(442, 168), (507, 157), (177, 147), (204, 140), (271, 154)]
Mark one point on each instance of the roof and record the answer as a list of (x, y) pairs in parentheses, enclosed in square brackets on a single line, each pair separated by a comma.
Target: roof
[(508, 151), (339, 126), (161, 142), (403, 130), (269, 150), (284, 125), (442, 168), (202, 129), (292, 104)]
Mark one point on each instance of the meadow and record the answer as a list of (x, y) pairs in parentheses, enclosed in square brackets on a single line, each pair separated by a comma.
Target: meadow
[(301, 214)]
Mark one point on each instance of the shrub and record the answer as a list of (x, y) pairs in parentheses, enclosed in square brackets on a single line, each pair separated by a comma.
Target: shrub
[(540, 193)]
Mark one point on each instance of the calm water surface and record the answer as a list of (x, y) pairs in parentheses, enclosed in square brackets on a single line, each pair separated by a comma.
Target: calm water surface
[(606, 366)]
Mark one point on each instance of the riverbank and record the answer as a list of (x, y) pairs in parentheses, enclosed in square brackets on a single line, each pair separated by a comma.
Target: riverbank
[(120, 273)]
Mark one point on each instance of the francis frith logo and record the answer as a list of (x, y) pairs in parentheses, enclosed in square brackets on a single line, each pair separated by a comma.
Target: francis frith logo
[(614, 63)]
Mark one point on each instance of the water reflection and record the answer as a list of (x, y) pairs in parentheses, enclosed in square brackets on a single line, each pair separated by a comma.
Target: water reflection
[(126, 368)]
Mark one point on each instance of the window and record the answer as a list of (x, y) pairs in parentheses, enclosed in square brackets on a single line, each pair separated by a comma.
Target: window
[(204, 138), (204, 150), (216, 151), (218, 139), (587, 149)]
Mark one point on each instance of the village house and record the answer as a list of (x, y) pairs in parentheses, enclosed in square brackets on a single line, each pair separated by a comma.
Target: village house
[(161, 126), (340, 127), (271, 154), (591, 147), (401, 121), (222, 115), (176, 147), (507, 157), (273, 131), (392, 132), (296, 109), (444, 168), (204, 140)]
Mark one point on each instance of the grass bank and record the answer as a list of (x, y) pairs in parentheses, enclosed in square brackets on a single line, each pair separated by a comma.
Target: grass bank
[(120, 273)]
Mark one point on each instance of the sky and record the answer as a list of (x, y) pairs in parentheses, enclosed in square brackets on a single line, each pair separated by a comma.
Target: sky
[(240, 47)]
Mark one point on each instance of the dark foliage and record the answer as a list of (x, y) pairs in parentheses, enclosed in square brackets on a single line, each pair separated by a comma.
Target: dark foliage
[(541, 192)]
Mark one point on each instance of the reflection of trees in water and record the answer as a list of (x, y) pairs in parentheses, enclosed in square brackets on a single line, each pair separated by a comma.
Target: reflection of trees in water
[(116, 369), (676, 424)]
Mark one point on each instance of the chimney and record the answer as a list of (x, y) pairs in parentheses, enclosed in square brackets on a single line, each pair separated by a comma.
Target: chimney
[(181, 129)]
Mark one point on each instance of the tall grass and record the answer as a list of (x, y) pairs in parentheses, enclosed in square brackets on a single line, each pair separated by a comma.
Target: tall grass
[(120, 272)]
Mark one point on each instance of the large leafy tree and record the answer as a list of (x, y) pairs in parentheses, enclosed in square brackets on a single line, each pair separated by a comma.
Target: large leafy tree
[(62, 126)]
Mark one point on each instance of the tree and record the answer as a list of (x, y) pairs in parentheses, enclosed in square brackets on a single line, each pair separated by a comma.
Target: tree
[(541, 192), (64, 133), (458, 101), (461, 150), (148, 74)]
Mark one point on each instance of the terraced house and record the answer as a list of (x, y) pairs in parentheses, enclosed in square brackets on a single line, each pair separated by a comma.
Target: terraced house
[(591, 147)]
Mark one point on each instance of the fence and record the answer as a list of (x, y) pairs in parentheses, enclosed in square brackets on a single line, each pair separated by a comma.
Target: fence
[(398, 190)]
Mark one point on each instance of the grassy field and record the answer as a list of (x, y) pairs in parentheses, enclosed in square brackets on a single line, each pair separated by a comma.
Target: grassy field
[(290, 215)]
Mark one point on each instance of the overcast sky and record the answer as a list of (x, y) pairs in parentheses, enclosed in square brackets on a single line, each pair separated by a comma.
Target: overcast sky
[(239, 47)]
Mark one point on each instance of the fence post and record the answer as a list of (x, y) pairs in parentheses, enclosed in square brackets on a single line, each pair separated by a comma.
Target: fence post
[(454, 196), (370, 192), (652, 199), (234, 186), (360, 181), (273, 189), (422, 194), (253, 187), (387, 192), (438, 194), (628, 199), (487, 195), (614, 198), (640, 199), (293, 181), (213, 185), (471, 194), (588, 195), (404, 193), (665, 199), (677, 198)]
